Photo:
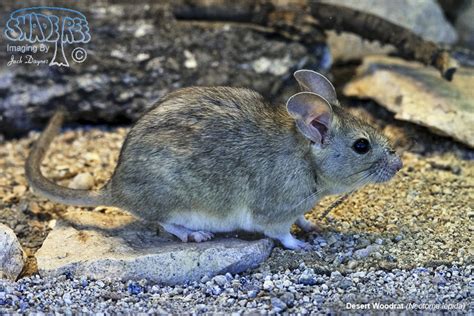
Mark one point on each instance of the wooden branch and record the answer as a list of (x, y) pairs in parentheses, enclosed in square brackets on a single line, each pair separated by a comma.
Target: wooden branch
[(371, 27), (223, 10), (292, 16)]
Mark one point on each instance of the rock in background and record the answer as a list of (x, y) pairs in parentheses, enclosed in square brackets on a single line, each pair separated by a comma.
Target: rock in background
[(465, 25), (12, 257), (105, 245), (416, 94), (137, 54), (423, 17)]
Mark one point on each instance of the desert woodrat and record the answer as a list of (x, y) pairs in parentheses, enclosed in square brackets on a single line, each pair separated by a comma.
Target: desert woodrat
[(218, 159)]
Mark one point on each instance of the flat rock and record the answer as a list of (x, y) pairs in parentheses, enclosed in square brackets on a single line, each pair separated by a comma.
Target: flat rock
[(418, 94), (12, 257), (101, 245)]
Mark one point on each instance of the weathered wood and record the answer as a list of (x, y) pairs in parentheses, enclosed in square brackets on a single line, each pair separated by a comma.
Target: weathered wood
[(135, 56), (293, 16)]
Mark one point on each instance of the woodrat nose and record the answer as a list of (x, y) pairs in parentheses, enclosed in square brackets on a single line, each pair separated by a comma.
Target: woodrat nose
[(398, 163)]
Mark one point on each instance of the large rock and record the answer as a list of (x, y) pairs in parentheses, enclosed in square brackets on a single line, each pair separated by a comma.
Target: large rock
[(465, 25), (418, 94), (12, 257), (104, 245), (423, 17), (347, 46)]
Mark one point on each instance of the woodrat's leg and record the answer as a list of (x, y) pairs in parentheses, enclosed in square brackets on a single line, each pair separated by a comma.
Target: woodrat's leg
[(282, 233), (185, 234), (306, 225)]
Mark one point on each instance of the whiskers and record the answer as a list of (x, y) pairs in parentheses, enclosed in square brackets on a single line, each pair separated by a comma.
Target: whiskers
[(365, 179), (312, 195), (337, 202), (360, 183), (370, 166)]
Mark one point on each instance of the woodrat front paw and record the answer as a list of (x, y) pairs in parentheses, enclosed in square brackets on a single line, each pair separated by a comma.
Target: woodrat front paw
[(200, 236), (290, 242)]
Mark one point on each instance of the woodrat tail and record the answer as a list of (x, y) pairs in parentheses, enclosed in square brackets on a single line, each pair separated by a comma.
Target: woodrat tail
[(48, 188)]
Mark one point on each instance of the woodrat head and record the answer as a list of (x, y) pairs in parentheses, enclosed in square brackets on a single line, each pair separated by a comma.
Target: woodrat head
[(347, 152)]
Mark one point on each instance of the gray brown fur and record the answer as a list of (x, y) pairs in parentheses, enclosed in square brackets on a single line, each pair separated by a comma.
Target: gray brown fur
[(202, 155), (212, 148)]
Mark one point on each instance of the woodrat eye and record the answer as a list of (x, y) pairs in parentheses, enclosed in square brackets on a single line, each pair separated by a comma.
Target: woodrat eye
[(361, 146)]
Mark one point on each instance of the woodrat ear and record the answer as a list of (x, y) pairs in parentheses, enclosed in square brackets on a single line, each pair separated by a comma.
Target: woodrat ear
[(313, 115), (313, 81)]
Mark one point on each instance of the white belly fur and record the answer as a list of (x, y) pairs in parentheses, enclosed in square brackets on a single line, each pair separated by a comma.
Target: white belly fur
[(240, 219)]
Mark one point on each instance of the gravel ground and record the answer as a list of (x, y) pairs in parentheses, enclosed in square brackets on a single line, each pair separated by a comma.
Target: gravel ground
[(297, 291), (404, 242)]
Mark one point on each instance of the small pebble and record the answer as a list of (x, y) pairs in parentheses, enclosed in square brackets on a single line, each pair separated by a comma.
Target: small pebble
[(82, 181), (288, 298), (268, 285), (345, 283), (398, 238), (306, 279), (278, 304), (220, 280)]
